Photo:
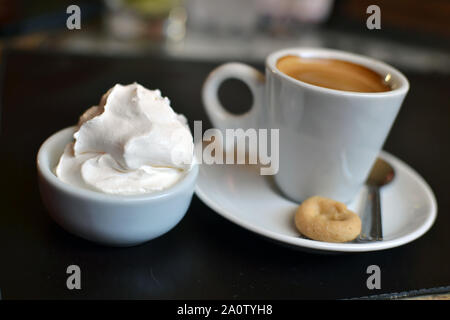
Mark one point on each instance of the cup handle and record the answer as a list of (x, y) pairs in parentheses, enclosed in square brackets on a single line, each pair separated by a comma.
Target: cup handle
[(219, 116)]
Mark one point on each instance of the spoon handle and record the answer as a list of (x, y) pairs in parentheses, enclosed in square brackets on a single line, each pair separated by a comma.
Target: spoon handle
[(377, 230), (372, 214)]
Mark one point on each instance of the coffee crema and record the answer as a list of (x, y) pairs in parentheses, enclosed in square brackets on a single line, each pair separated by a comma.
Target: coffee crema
[(333, 74)]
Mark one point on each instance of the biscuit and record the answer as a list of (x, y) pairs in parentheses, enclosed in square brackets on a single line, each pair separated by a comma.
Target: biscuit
[(324, 219)]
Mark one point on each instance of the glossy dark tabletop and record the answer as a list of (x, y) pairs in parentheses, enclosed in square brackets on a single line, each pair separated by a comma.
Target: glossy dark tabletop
[(204, 256)]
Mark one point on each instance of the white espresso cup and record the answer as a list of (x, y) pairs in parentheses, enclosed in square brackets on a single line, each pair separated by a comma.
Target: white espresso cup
[(328, 139)]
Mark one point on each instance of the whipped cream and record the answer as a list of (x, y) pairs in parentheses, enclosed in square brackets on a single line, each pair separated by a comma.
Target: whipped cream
[(131, 143)]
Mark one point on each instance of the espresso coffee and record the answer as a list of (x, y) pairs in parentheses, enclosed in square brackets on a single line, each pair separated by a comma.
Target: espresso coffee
[(333, 74)]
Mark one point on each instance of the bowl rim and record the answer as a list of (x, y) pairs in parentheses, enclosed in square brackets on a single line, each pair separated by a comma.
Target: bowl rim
[(44, 170)]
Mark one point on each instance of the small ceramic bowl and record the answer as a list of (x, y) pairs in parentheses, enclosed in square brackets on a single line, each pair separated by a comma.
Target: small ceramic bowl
[(109, 219)]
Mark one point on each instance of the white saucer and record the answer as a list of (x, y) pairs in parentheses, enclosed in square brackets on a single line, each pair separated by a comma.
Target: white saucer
[(241, 195)]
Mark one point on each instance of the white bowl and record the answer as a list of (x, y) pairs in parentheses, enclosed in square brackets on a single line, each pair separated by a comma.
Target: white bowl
[(109, 219)]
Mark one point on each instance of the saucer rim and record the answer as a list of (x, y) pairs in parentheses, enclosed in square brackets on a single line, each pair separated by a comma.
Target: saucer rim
[(338, 247)]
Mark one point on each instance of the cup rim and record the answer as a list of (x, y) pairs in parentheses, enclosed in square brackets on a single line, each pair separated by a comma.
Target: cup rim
[(47, 173), (403, 83)]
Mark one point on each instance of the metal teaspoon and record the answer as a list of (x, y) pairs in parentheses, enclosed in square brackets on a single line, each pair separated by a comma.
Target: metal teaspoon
[(381, 174)]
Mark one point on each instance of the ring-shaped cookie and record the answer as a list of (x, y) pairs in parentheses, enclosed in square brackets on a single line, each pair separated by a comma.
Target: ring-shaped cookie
[(324, 219)]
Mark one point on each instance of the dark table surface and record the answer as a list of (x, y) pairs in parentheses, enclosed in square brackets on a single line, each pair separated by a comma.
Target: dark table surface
[(204, 256)]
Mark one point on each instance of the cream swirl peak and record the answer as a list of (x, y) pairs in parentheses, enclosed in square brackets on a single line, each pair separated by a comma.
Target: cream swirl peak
[(131, 143)]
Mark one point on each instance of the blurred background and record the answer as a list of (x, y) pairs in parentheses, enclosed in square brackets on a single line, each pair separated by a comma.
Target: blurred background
[(414, 34)]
